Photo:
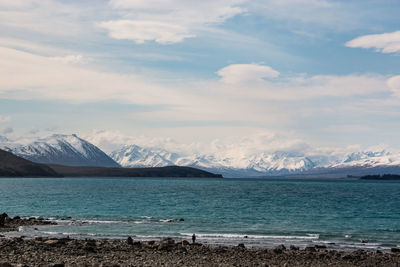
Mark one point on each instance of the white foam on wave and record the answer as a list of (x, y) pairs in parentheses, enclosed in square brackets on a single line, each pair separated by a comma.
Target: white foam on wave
[(89, 221), (242, 236), (59, 233)]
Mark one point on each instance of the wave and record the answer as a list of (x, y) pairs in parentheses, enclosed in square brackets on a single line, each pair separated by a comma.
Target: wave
[(240, 236), (90, 221)]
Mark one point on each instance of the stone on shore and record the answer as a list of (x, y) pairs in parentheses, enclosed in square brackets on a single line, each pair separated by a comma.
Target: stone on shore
[(70, 252), (129, 241)]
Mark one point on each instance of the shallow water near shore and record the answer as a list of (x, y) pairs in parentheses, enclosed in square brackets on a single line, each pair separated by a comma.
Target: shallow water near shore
[(340, 214)]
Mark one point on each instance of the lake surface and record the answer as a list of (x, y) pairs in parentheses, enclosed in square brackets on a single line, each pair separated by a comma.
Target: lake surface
[(257, 212)]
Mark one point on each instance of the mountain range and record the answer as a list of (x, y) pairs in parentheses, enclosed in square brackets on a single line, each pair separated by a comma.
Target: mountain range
[(14, 166), (70, 150)]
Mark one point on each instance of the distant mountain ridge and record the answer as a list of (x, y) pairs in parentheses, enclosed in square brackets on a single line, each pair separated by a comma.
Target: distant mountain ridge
[(263, 164), (67, 150), (14, 166), (70, 150)]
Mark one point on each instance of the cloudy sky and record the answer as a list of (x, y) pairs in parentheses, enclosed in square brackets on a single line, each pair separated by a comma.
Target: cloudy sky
[(324, 72)]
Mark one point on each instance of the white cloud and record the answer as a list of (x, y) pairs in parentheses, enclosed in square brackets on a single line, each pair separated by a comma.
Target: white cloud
[(241, 96), (235, 149), (265, 141), (70, 59), (17, 3), (5, 119), (250, 85), (28, 76), (167, 21), (50, 17), (385, 42), (239, 73), (8, 130), (32, 47), (111, 140), (141, 31), (394, 84)]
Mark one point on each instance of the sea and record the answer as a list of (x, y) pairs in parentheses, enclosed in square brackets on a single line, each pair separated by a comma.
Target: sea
[(262, 213)]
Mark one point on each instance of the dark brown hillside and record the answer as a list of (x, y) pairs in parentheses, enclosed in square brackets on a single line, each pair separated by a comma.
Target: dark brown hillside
[(170, 171), (13, 166)]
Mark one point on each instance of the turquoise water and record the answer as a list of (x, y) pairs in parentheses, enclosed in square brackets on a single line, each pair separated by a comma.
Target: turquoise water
[(257, 212)]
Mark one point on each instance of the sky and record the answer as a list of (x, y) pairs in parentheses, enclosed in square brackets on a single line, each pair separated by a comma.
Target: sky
[(188, 74)]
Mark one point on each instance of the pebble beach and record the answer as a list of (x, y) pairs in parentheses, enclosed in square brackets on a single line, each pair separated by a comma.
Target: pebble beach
[(41, 251)]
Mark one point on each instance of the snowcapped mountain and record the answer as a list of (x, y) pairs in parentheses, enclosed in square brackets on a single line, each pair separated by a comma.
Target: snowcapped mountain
[(59, 149), (136, 156), (280, 162), (255, 165), (74, 151), (261, 164), (370, 159)]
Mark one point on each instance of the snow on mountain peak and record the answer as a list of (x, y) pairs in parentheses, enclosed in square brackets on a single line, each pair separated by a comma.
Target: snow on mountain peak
[(60, 149), (279, 162), (264, 163), (3, 139), (136, 156), (72, 150)]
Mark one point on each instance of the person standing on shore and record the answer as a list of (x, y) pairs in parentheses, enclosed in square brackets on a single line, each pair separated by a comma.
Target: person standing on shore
[(193, 238)]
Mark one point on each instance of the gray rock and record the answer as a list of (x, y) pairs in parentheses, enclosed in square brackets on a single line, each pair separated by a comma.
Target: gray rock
[(51, 242), (279, 249), (395, 250), (241, 245)]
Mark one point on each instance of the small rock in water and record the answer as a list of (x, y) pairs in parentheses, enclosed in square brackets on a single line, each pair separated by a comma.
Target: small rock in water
[(129, 240), (181, 219), (292, 247)]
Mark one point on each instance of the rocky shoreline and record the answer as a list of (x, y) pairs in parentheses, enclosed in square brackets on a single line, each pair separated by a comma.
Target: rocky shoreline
[(72, 252), (8, 224)]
